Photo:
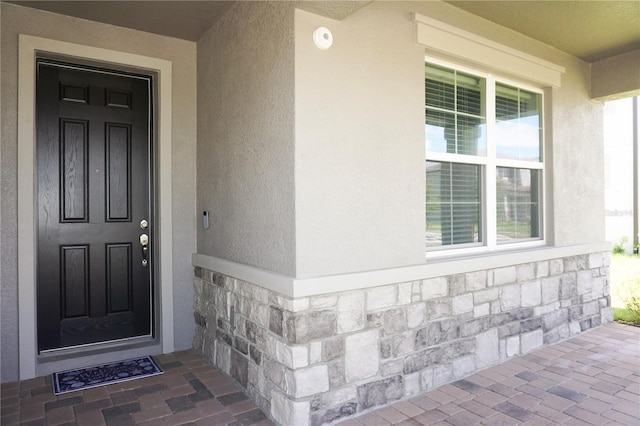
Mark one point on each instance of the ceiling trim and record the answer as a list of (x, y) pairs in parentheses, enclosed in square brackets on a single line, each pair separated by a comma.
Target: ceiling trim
[(445, 38)]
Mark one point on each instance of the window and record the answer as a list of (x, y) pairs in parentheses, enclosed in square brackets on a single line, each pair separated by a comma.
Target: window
[(484, 168)]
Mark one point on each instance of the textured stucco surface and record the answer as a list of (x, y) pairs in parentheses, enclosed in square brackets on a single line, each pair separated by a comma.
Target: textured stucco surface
[(16, 20), (359, 144), (246, 136), (616, 77)]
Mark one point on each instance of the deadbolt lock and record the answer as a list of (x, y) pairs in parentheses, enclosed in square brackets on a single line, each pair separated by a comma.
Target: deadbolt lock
[(144, 224)]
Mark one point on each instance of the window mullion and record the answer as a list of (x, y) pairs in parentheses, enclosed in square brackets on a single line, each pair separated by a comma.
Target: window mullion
[(490, 168)]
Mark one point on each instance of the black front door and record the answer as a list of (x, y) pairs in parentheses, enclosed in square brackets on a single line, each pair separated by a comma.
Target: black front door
[(94, 200)]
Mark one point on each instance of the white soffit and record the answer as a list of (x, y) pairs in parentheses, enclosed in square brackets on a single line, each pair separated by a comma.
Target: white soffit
[(445, 38)]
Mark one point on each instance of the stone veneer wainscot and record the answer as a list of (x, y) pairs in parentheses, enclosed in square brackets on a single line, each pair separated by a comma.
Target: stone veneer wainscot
[(315, 360)]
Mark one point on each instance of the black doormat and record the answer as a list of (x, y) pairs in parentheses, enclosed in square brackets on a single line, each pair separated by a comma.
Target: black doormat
[(105, 374)]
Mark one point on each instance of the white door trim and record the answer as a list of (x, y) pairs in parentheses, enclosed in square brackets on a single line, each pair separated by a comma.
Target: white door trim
[(29, 46)]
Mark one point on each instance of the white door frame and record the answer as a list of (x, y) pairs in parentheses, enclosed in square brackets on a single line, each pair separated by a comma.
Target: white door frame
[(29, 47)]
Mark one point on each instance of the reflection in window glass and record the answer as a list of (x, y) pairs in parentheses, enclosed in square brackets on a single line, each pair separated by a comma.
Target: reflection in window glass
[(455, 119), (453, 204), (518, 126), (518, 207)]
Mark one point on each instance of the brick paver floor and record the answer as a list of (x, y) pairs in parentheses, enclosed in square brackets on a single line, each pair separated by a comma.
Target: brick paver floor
[(591, 379), (189, 392)]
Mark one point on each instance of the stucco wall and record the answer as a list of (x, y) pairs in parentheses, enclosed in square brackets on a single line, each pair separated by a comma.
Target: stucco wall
[(359, 144), (18, 19), (360, 140), (245, 136), (616, 77)]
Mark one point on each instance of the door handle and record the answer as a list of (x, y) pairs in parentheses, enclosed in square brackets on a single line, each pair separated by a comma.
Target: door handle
[(144, 242)]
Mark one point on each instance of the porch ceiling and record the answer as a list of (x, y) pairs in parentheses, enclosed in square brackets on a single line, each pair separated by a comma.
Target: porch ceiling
[(590, 30)]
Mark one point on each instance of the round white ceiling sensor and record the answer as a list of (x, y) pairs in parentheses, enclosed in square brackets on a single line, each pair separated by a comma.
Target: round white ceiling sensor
[(322, 38)]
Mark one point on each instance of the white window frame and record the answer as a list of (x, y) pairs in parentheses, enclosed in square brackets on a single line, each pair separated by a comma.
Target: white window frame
[(489, 165)]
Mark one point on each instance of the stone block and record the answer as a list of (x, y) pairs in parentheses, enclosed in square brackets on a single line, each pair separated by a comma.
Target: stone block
[(402, 344), (223, 358), (239, 368), (512, 346), (550, 289), (464, 366), (555, 319), (260, 314), (315, 352), (487, 346), (545, 309), (416, 315), (457, 349), (481, 310), (411, 384), (434, 288), (442, 331), (591, 308), (420, 360), (557, 334), (526, 272), (510, 296), (476, 280), (255, 354), (568, 286), (456, 284), (404, 293), (351, 312), (584, 284), (597, 287), (421, 340), (606, 315), (574, 328), (505, 275), (288, 412), (484, 296), (292, 356), (391, 367), (542, 269), (331, 415), (438, 308), (200, 319), (324, 301), (306, 326), (361, 355), (596, 260), (471, 328), (311, 381), (336, 373), (382, 297), (274, 371), (571, 264), (426, 379), (462, 304), (333, 398), (531, 324), (394, 321), (531, 294), (531, 341), (332, 348), (442, 375), (509, 330), (556, 267), (380, 392), (241, 345)]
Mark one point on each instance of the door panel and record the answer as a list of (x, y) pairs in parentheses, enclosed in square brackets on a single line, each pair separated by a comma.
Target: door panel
[(94, 187)]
